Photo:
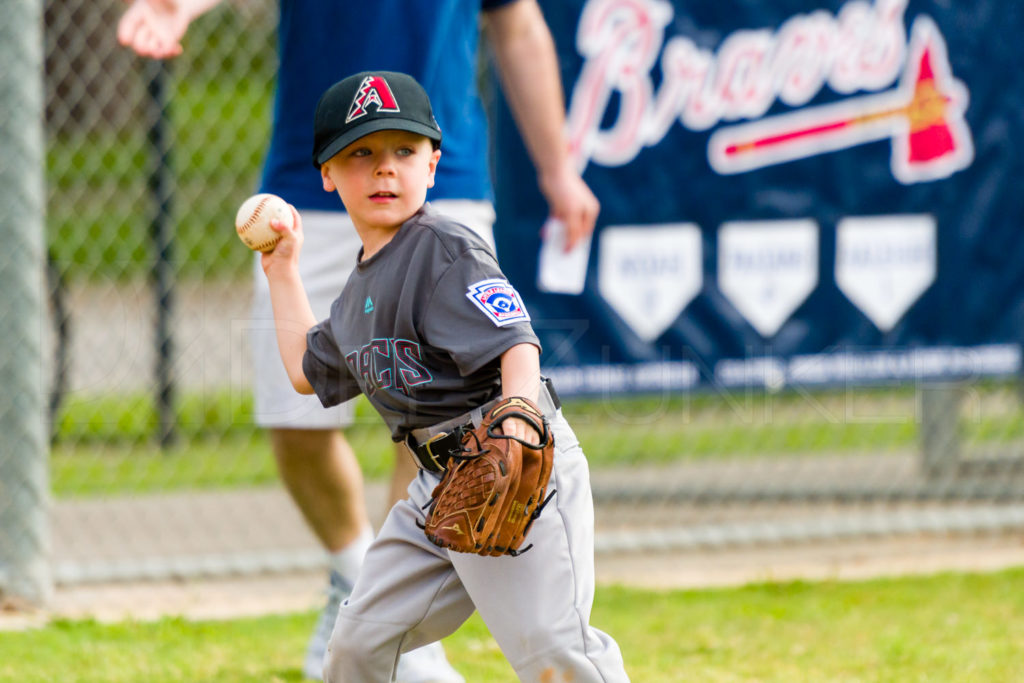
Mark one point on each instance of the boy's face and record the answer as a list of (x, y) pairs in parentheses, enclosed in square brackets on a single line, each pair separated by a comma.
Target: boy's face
[(383, 177)]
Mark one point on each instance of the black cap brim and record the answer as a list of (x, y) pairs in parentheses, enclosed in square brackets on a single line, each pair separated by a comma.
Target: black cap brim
[(372, 126)]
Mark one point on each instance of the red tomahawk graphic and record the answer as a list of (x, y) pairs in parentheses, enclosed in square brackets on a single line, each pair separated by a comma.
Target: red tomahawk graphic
[(923, 116)]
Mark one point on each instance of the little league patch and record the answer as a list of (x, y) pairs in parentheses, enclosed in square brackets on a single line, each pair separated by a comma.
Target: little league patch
[(498, 300)]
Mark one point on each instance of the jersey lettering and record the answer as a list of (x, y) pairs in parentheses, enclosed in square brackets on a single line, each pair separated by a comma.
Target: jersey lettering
[(365, 365), (383, 372), (389, 364), (412, 371)]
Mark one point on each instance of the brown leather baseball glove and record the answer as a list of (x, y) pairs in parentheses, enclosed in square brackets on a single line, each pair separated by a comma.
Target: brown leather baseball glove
[(493, 490)]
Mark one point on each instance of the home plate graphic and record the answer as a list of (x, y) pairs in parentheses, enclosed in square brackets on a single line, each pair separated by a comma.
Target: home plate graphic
[(923, 116)]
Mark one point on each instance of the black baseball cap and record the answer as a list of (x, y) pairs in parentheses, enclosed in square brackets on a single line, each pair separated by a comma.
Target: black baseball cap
[(366, 102)]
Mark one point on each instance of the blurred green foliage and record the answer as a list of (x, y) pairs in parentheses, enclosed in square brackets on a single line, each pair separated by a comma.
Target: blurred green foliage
[(100, 210)]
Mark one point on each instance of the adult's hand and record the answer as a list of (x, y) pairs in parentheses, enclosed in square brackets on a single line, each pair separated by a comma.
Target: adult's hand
[(154, 28), (570, 201)]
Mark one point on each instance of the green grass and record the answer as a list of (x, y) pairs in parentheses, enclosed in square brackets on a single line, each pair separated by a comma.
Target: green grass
[(947, 627), (107, 445), (232, 461), (100, 208), (100, 211)]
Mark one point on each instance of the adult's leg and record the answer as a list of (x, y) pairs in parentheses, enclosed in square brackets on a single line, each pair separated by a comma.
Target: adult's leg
[(322, 475), (404, 473), (320, 471)]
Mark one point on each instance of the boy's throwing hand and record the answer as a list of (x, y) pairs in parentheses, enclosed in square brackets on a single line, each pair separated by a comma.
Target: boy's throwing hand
[(286, 254)]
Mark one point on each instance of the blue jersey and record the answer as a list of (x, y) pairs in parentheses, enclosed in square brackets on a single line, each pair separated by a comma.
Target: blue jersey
[(322, 41)]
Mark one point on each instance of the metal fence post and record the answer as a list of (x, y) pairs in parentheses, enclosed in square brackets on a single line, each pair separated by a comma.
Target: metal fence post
[(24, 478), (940, 429), (161, 189)]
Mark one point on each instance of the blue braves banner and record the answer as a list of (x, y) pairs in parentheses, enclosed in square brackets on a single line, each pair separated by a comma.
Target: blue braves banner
[(793, 193)]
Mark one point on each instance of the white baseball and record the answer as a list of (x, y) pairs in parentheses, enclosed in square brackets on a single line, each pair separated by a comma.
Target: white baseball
[(252, 222)]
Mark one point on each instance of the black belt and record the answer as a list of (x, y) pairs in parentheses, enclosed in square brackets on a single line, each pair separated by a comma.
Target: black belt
[(433, 449)]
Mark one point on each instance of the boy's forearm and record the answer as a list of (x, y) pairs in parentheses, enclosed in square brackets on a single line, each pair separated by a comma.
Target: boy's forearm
[(293, 318), (520, 372)]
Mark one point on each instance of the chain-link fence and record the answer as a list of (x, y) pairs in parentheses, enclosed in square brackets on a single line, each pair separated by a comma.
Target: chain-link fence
[(157, 468), (24, 541)]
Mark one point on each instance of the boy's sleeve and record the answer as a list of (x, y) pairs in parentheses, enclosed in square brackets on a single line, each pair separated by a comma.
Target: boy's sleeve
[(325, 368), (475, 314)]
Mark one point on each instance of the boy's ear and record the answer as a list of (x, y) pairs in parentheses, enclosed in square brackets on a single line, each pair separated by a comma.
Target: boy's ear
[(329, 185), (434, 158)]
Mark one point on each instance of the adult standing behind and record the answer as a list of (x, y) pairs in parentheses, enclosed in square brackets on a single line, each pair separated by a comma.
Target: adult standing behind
[(320, 42)]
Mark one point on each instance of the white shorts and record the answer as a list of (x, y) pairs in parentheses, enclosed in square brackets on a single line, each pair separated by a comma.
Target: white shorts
[(328, 257)]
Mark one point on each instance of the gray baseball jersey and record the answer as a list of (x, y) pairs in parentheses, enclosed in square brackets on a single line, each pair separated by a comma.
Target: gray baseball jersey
[(419, 327)]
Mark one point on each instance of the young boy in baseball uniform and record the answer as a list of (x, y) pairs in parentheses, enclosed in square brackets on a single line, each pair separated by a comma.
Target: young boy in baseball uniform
[(430, 330)]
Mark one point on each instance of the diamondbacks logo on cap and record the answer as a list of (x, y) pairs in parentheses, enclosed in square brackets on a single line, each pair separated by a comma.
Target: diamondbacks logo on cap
[(374, 90), (498, 300)]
